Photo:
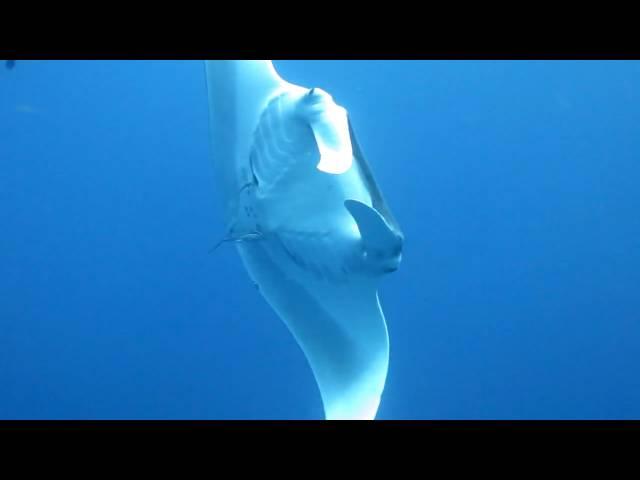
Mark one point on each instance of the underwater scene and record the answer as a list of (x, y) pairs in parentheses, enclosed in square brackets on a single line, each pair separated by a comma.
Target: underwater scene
[(316, 239)]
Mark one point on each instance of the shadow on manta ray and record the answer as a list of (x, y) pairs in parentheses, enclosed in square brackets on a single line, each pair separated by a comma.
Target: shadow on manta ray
[(9, 64), (310, 224)]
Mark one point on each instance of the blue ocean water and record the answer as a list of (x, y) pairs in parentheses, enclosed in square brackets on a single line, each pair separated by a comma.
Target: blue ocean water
[(516, 184)]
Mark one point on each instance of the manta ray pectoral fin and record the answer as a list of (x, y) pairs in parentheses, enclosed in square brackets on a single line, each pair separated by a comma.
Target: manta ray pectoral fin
[(340, 328), (238, 92)]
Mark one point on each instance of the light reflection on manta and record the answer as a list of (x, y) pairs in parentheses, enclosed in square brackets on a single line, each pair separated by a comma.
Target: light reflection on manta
[(310, 224)]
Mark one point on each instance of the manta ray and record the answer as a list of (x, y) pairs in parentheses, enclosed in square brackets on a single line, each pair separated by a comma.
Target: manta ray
[(310, 224)]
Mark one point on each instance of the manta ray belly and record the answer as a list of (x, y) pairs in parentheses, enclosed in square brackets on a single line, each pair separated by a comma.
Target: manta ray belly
[(305, 204)]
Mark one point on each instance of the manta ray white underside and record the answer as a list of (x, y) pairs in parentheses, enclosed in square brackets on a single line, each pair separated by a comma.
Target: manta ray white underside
[(309, 222)]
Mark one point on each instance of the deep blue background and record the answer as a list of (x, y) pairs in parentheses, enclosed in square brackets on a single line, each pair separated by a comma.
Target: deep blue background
[(516, 184)]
